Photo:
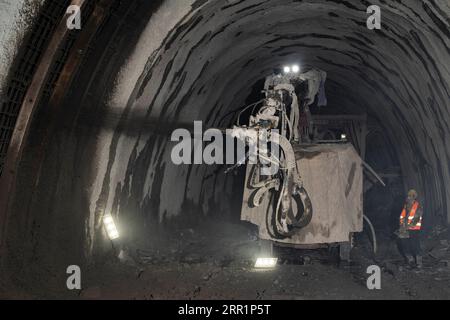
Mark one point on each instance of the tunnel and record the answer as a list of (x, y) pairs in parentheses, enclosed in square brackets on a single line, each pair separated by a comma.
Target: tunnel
[(87, 114)]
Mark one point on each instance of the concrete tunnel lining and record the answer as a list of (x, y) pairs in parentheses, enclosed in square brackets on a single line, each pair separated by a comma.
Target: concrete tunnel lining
[(198, 60), (205, 47)]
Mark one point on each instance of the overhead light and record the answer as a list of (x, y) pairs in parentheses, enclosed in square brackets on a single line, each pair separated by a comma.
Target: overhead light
[(110, 227), (296, 68), (343, 136), (287, 69), (266, 263)]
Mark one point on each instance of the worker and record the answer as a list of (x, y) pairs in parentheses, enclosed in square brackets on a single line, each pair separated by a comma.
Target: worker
[(409, 230)]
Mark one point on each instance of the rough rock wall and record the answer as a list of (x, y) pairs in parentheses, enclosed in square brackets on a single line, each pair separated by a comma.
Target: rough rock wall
[(16, 17), (208, 62), (198, 60)]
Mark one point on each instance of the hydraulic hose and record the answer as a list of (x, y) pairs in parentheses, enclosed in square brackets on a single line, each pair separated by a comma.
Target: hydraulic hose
[(374, 236)]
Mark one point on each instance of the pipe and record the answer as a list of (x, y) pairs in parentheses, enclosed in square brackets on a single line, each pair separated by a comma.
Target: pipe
[(374, 236)]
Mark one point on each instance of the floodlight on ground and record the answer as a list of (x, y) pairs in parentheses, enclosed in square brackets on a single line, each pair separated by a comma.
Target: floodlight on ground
[(110, 227), (266, 263)]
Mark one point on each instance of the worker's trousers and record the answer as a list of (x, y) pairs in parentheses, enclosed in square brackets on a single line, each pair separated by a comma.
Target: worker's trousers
[(410, 246)]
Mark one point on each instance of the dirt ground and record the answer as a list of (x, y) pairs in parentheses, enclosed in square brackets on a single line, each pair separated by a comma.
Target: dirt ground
[(216, 262)]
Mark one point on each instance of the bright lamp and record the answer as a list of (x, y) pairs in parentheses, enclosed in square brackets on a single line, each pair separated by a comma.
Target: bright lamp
[(110, 227), (266, 263)]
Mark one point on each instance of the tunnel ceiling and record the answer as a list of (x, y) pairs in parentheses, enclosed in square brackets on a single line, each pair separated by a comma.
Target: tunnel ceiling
[(199, 60), (209, 61)]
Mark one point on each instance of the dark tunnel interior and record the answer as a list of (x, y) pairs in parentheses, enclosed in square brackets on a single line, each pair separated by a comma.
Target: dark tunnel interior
[(101, 143)]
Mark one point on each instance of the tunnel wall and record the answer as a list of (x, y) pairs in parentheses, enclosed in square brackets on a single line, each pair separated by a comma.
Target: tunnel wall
[(198, 60), (209, 61), (142, 180), (15, 20)]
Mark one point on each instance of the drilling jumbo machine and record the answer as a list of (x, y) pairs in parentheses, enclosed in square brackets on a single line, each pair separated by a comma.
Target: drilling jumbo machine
[(314, 196)]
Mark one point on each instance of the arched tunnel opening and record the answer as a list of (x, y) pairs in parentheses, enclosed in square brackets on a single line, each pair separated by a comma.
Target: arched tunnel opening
[(88, 116)]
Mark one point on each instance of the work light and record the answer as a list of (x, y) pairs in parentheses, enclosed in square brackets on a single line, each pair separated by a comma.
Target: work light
[(110, 227), (266, 263)]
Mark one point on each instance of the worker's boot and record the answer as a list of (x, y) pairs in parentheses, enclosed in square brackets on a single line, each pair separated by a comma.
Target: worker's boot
[(419, 263), (409, 260)]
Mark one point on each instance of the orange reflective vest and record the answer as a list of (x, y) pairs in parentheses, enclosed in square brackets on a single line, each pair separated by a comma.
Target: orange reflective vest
[(411, 216)]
